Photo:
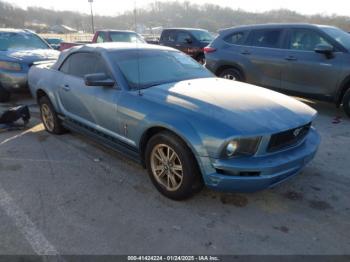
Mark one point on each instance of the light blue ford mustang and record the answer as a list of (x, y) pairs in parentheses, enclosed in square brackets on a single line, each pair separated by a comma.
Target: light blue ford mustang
[(187, 127)]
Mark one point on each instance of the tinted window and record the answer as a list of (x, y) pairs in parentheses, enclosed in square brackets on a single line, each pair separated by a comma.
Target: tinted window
[(338, 35), (20, 41), (306, 40), (101, 38), (266, 38), (129, 37), (235, 38), (182, 36), (169, 36), (81, 64), (202, 36), (167, 67)]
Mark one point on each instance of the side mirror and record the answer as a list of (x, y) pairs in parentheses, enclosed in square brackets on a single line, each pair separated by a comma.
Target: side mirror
[(326, 50), (100, 79), (188, 40)]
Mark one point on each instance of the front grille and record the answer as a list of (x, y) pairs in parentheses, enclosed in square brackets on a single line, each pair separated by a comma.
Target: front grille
[(288, 138)]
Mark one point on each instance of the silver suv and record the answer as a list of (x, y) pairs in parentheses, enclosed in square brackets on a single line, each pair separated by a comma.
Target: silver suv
[(298, 59)]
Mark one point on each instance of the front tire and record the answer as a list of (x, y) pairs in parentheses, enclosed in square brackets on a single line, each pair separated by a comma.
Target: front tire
[(231, 74), (172, 167), (49, 117), (346, 102)]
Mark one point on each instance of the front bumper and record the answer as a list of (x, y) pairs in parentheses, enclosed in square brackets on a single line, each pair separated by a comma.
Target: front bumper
[(267, 170), (13, 81)]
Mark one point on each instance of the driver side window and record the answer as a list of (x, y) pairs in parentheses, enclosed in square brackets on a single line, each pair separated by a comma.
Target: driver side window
[(81, 64), (306, 40), (182, 37)]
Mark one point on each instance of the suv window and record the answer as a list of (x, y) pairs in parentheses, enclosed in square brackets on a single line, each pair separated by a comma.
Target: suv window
[(81, 64), (266, 38), (306, 40), (169, 36), (182, 36), (101, 38), (236, 38)]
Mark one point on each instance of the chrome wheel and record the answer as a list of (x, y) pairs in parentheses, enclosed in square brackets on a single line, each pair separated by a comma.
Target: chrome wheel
[(47, 117), (230, 77), (166, 167)]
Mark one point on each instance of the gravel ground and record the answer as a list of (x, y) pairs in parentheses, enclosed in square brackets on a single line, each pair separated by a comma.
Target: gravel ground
[(67, 195)]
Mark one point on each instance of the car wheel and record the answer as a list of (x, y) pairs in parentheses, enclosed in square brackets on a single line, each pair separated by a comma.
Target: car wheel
[(172, 167), (231, 74), (346, 102), (4, 95), (49, 117)]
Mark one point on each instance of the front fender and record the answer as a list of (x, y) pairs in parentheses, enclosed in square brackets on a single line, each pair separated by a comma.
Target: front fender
[(181, 127)]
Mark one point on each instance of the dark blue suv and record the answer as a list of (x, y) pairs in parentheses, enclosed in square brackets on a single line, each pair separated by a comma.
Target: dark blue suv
[(298, 59)]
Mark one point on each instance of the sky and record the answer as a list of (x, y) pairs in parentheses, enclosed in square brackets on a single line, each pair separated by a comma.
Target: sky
[(115, 7)]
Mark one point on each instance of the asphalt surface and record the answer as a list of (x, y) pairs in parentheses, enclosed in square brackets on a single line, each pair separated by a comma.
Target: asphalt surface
[(67, 195)]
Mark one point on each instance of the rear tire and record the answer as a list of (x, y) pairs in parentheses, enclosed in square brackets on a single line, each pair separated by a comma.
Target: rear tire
[(49, 117), (231, 74), (172, 167), (201, 59), (346, 102), (4, 95)]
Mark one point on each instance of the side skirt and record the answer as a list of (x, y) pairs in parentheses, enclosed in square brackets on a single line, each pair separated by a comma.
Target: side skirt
[(106, 140)]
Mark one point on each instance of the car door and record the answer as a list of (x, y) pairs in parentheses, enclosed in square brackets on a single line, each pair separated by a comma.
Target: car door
[(307, 71), (94, 106), (264, 50)]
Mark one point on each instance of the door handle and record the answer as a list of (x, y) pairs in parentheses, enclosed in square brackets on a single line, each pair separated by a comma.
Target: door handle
[(245, 52), (291, 58), (66, 87)]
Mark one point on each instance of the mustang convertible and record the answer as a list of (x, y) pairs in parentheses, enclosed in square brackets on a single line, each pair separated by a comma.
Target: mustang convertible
[(187, 127)]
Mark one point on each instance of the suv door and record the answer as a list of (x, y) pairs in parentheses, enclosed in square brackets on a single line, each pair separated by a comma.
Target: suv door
[(307, 71), (265, 53), (94, 106)]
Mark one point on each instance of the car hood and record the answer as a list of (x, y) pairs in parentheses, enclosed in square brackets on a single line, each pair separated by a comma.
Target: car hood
[(30, 56), (247, 109)]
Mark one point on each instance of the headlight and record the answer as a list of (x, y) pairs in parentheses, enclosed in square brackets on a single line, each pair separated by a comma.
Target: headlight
[(10, 66), (242, 146)]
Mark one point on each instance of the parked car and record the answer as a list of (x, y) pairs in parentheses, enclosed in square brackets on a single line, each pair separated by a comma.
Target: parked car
[(188, 40), (103, 36), (176, 118), (19, 50), (298, 59), (54, 42)]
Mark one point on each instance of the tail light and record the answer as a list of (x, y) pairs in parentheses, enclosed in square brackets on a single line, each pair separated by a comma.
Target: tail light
[(209, 49)]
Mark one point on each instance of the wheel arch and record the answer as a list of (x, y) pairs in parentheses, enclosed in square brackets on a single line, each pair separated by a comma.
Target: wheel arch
[(223, 67), (39, 94), (344, 86), (156, 129)]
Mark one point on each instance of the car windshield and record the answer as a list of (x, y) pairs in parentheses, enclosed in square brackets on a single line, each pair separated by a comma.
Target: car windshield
[(19, 41), (202, 36), (339, 35), (129, 37), (146, 68)]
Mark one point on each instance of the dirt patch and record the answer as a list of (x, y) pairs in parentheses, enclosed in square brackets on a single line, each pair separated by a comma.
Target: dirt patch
[(14, 167), (43, 137), (294, 196), (319, 205), (234, 199), (283, 229), (141, 189)]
